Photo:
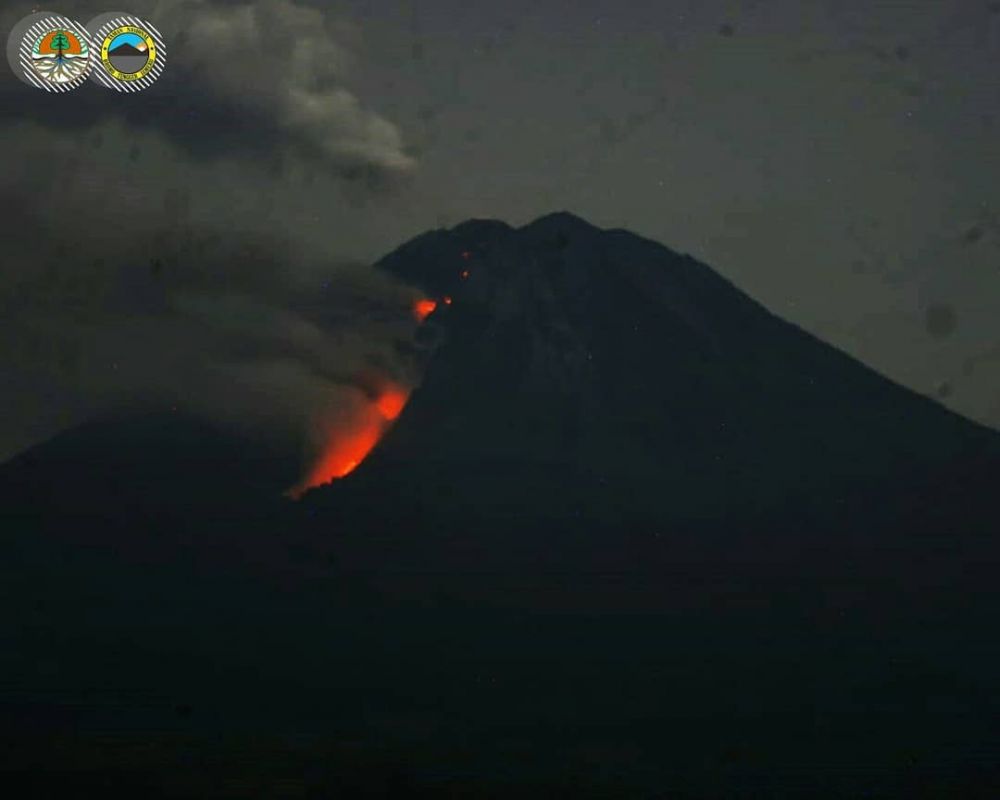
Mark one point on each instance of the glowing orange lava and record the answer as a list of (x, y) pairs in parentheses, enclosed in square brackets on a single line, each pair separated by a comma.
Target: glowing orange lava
[(447, 300), (391, 402), (349, 443), (422, 309), (465, 274)]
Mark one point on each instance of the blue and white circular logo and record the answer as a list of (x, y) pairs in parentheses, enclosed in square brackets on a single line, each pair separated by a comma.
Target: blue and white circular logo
[(130, 53)]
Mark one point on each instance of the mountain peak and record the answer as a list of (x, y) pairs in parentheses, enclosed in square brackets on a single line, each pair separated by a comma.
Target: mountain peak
[(598, 352), (560, 221), (476, 227), (564, 218)]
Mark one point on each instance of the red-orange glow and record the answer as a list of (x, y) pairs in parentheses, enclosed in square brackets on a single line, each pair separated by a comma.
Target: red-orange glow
[(422, 309), (447, 300), (465, 274), (342, 455), (350, 441), (391, 402)]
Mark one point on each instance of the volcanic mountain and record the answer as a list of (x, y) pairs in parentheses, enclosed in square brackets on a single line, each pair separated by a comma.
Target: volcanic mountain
[(593, 381), (631, 534)]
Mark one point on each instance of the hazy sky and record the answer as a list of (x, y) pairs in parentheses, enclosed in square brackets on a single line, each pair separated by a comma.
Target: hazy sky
[(837, 160)]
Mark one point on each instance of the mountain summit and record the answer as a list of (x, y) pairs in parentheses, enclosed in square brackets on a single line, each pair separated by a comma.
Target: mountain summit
[(596, 373)]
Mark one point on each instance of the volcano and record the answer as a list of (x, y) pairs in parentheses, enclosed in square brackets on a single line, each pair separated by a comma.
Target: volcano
[(595, 376), (631, 534)]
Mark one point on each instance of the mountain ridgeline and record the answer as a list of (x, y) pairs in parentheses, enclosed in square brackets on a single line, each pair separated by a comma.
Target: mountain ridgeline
[(632, 535), (585, 374)]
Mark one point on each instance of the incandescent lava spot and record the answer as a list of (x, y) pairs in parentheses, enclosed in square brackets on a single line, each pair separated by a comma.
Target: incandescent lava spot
[(350, 439), (391, 401), (423, 308)]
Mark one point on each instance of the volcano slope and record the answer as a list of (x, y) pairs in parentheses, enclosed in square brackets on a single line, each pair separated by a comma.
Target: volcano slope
[(633, 534), (623, 401)]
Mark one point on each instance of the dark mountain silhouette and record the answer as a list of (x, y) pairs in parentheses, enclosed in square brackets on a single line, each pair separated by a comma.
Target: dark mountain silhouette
[(600, 381), (127, 49), (633, 533), (143, 481)]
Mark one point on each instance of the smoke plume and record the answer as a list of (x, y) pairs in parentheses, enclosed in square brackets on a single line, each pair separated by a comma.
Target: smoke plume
[(190, 245)]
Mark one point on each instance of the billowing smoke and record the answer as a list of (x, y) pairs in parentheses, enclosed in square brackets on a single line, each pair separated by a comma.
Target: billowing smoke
[(191, 245)]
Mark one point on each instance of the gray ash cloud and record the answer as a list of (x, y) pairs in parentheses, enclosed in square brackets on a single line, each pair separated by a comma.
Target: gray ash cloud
[(155, 246)]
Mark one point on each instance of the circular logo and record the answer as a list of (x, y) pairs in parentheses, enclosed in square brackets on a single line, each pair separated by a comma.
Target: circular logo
[(132, 53), (50, 52), (128, 53)]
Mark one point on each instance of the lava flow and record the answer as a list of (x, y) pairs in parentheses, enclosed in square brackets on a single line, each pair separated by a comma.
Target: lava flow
[(349, 443), (422, 309)]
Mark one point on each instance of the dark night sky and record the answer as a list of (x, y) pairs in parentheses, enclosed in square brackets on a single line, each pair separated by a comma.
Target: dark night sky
[(837, 160)]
